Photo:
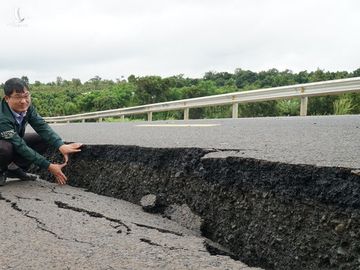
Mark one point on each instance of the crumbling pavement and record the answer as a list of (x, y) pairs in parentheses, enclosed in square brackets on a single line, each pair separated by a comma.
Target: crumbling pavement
[(47, 226)]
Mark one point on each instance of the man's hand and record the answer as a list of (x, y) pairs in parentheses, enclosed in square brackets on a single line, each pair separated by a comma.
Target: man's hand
[(67, 149), (55, 169)]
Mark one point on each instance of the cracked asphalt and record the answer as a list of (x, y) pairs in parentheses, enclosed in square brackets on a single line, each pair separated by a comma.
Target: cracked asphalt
[(314, 140), (47, 226)]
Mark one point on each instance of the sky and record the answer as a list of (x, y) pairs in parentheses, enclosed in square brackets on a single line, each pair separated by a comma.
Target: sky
[(116, 38)]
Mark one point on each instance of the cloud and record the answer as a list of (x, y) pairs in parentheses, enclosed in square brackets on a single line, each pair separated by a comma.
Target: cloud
[(80, 39)]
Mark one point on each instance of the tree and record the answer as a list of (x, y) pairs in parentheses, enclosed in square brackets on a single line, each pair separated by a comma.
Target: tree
[(95, 81), (25, 79), (69, 97), (244, 77), (132, 79), (356, 73), (302, 77), (76, 83), (220, 78), (151, 89), (59, 81)]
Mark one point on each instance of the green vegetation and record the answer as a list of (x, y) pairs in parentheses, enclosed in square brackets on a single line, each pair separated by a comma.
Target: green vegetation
[(64, 97), (344, 105)]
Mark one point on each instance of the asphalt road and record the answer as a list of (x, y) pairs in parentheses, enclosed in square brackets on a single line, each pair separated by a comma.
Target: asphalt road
[(315, 140), (47, 226)]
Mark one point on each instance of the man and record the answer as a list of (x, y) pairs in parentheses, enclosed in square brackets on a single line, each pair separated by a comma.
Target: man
[(19, 150)]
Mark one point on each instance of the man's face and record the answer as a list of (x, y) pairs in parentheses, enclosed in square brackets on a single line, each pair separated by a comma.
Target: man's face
[(19, 102)]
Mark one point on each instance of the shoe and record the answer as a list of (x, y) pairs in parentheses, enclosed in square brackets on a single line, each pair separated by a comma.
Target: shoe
[(2, 178), (19, 173)]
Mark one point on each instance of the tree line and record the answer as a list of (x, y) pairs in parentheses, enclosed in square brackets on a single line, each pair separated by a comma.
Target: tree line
[(66, 97)]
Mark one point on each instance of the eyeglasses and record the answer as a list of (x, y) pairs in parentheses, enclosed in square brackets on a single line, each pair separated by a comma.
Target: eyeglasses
[(26, 96)]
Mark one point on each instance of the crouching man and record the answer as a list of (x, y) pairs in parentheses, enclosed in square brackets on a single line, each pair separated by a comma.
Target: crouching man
[(19, 150)]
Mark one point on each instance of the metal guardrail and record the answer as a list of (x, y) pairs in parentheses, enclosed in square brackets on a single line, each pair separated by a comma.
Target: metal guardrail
[(302, 91)]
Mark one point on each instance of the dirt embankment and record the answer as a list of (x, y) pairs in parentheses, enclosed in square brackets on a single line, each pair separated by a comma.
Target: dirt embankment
[(270, 215)]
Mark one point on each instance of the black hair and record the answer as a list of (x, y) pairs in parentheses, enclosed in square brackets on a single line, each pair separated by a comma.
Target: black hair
[(15, 84)]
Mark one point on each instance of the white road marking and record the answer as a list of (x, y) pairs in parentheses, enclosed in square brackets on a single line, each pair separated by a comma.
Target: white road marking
[(58, 124), (178, 125)]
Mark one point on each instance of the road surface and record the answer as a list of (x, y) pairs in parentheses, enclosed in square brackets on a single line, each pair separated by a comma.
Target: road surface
[(47, 226), (314, 140)]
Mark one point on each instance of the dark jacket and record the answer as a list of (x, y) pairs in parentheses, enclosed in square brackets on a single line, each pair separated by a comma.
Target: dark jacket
[(12, 132)]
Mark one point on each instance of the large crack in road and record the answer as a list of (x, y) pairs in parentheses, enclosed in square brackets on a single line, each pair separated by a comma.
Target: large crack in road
[(94, 214), (46, 226), (269, 214)]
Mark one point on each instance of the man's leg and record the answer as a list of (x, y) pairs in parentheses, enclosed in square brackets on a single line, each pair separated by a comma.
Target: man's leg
[(17, 168), (6, 154), (6, 157), (35, 142)]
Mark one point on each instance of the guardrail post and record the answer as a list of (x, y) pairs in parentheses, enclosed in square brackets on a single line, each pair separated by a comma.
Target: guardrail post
[(303, 106), (83, 120), (149, 116), (235, 110), (123, 118), (100, 119), (186, 113)]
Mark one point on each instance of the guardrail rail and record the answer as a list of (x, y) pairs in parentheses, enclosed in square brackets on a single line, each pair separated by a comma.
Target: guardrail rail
[(302, 91)]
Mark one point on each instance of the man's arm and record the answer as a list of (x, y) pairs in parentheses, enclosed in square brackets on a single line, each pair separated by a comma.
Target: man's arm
[(47, 133), (43, 129)]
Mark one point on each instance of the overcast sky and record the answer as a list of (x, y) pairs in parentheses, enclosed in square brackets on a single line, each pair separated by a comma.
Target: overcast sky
[(113, 38)]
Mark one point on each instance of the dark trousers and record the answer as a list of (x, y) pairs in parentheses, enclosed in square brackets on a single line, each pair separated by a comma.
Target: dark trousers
[(8, 154)]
